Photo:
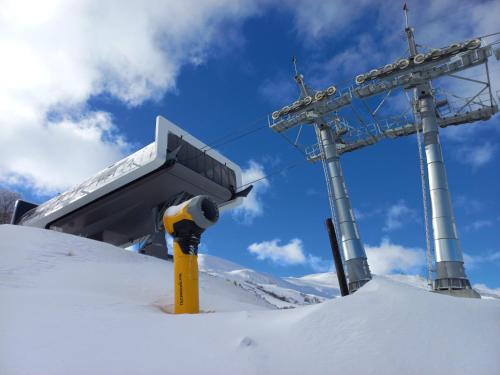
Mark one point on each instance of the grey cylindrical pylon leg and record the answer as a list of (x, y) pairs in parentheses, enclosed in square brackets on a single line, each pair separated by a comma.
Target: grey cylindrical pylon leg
[(450, 273), (354, 252)]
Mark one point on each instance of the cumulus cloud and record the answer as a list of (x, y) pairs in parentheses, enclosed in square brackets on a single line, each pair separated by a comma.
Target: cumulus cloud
[(318, 264), (388, 258), (252, 205), (468, 204), (473, 261), (347, 63), (61, 153), (479, 224), (367, 214), (57, 55), (476, 156), (484, 289), (279, 90), (287, 254), (292, 253), (311, 192), (397, 215), (325, 18)]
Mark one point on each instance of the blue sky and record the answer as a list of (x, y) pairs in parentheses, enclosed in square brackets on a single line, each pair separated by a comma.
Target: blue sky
[(78, 100)]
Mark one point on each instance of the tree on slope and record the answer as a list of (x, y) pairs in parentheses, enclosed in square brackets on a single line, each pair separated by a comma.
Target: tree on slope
[(7, 200)]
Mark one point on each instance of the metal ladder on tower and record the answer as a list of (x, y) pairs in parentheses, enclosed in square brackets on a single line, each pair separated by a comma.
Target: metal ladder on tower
[(418, 126)]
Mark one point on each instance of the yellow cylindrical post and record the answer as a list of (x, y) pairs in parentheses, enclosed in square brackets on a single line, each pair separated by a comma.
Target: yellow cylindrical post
[(186, 222), (186, 293)]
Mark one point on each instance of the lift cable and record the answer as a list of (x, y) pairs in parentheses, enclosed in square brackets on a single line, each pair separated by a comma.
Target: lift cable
[(235, 135), (273, 173), (294, 145), (225, 139)]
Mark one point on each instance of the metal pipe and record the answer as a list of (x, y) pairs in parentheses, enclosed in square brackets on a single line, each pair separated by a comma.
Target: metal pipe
[(424, 203), (354, 252), (344, 291), (412, 46), (450, 273)]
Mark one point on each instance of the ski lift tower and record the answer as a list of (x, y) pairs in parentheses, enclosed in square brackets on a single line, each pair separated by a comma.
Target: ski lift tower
[(414, 73), (450, 272), (327, 135)]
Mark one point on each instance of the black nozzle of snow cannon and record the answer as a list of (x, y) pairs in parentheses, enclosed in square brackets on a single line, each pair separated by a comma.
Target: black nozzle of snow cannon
[(344, 290), (209, 210)]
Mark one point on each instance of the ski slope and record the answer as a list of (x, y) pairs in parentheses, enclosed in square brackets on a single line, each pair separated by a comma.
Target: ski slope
[(280, 293), (71, 305), (289, 292)]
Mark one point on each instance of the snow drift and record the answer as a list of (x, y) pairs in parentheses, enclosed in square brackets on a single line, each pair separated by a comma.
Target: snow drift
[(72, 305)]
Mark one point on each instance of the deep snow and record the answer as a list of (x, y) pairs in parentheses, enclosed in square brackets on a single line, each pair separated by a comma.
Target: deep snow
[(75, 306)]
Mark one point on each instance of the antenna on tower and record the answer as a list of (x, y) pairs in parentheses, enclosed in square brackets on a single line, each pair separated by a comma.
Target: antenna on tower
[(405, 9), (294, 62), (299, 78)]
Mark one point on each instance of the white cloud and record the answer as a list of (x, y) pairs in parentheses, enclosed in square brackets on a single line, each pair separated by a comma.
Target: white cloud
[(390, 258), (470, 205), (288, 254), (397, 215), (252, 205), (367, 214), (472, 261), (479, 224), (461, 133), (292, 253), (61, 153), (324, 19), (318, 264), (476, 156), (279, 90), (57, 55), (311, 192), (347, 63), (484, 289)]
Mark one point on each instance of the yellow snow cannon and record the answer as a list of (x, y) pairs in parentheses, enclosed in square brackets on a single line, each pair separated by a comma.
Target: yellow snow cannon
[(186, 222)]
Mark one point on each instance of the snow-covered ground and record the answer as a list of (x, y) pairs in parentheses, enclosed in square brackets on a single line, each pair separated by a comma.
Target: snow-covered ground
[(75, 306)]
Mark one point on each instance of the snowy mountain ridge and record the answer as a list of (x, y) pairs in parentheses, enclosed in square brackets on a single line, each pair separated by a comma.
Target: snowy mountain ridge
[(289, 292), (276, 291)]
